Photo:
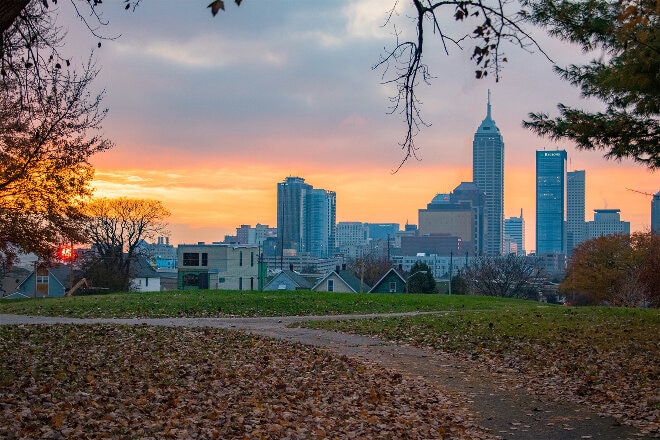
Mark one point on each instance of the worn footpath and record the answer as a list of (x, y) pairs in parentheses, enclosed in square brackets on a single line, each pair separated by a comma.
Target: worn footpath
[(496, 399)]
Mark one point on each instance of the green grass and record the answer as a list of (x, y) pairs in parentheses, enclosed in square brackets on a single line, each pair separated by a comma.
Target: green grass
[(210, 303), (496, 328)]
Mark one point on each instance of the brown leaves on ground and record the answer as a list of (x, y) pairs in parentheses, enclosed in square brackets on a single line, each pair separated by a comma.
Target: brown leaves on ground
[(153, 382)]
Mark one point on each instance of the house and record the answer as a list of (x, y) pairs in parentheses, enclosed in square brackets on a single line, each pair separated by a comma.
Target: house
[(219, 266), (391, 282), (48, 282), (340, 281), (145, 278), (288, 280)]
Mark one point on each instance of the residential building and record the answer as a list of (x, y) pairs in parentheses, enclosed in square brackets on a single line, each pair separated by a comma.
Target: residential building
[(340, 281), (306, 218), (321, 207), (289, 280), (144, 277), (551, 202), (461, 213), (655, 213), (46, 282), (514, 234), (488, 176), (575, 222), (391, 282), (219, 266), (607, 222)]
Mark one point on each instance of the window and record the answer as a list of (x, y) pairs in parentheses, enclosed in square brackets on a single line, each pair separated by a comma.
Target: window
[(190, 259), (190, 279), (392, 286), (240, 283), (205, 259), (251, 258), (251, 283), (221, 279), (240, 258), (331, 285), (42, 279)]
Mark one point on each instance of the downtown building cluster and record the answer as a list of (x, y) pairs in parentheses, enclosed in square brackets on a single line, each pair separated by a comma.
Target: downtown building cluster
[(452, 230)]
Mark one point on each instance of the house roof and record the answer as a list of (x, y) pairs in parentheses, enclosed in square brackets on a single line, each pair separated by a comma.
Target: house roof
[(347, 277), (396, 272), (60, 271), (295, 277), (142, 269)]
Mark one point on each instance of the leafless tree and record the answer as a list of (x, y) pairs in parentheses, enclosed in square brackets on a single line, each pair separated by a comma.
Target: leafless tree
[(510, 276), (116, 227), (490, 24)]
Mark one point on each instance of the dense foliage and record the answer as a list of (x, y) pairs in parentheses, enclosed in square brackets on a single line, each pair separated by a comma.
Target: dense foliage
[(625, 76), (49, 128), (618, 269)]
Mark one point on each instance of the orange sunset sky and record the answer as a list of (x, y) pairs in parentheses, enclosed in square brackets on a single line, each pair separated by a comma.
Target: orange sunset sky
[(208, 114)]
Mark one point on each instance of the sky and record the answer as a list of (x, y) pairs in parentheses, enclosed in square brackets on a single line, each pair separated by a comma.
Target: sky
[(208, 114)]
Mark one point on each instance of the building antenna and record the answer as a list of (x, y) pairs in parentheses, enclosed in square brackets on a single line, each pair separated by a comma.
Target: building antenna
[(488, 107)]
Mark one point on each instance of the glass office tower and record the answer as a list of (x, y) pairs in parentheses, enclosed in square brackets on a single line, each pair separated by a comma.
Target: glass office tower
[(551, 202)]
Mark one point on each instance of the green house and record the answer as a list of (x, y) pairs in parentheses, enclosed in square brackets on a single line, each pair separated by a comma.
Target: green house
[(391, 282)]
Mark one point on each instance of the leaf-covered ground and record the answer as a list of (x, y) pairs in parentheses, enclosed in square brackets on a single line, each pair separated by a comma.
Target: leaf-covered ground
[(101, 381), (607, 358)]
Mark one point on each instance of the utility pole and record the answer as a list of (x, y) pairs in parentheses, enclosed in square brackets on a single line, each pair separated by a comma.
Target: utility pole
[(451, 268)]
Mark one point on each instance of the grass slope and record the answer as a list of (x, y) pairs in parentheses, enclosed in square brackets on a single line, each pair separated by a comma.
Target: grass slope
[(218, 303)]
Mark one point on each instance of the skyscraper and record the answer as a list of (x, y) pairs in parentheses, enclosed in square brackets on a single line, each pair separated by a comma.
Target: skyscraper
[(551, 202), (514, 230), (291, 195), (320, 222), (655, 214), (575, 223), (488, 175), (306, 218)]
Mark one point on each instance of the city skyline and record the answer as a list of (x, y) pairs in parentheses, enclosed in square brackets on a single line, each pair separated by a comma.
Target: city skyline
[(218, 109)]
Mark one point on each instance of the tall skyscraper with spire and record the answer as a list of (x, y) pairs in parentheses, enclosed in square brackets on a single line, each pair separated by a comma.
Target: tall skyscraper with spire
[(488, 175)]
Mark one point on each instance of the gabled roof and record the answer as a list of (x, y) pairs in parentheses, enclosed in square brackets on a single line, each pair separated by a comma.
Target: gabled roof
[(295, 278), (142, 269), (347, 277), (396, 272), (60, 271)]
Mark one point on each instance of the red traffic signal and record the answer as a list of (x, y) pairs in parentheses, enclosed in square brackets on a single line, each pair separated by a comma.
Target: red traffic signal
[(66, 253)]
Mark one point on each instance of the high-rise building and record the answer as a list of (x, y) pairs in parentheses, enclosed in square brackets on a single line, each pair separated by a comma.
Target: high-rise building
[(575, 225), (551, 202), (607, 222), (655, 213), (306, 218), (320, 218), (291, 195), (459, 214), (488, 175), (514, 232)]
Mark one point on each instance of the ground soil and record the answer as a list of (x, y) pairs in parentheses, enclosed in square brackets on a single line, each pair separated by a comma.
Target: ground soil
[(497, 399)]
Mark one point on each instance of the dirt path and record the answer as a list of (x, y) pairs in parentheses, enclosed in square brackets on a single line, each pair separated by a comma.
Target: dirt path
[(507, 411)]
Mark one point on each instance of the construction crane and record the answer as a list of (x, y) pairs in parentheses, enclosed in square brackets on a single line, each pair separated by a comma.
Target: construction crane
[(641, 192)]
